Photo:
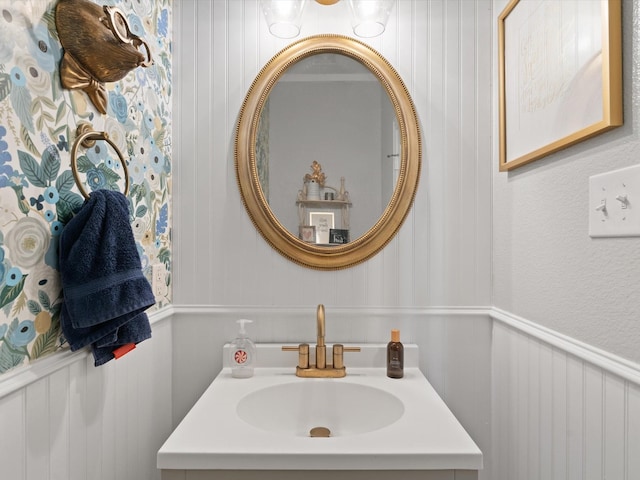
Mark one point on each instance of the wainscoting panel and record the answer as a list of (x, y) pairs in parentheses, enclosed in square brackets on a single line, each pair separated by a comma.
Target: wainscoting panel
[(561, 413), (80, 422), (455, 347)]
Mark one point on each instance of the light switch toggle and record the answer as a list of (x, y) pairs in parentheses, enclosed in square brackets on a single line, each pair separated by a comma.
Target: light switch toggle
[(602, 207), (624, 201)]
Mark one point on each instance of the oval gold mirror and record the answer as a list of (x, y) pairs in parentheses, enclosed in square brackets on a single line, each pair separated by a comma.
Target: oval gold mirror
[(328, 152)]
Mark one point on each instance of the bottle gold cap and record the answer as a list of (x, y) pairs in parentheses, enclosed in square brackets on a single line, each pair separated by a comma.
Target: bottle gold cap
[(395, 335)]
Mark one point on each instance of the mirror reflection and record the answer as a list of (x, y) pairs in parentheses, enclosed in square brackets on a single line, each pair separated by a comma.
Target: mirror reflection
[(328, 149)]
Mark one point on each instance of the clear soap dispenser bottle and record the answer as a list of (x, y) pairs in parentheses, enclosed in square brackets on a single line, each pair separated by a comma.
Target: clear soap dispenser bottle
[(243, 353)]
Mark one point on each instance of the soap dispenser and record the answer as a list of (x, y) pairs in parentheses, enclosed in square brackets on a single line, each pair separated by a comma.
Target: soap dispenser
[(243, 353)]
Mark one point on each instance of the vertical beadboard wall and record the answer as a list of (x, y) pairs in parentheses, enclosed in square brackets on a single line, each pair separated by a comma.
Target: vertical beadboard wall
[(83, 422), (560, 415), (441, 255)]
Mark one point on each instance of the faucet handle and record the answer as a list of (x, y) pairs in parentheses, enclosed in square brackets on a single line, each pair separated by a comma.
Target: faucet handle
[(338, 357), (303, 353)]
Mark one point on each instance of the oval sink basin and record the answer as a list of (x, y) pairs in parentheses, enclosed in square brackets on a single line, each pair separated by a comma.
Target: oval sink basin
[(344, 408)]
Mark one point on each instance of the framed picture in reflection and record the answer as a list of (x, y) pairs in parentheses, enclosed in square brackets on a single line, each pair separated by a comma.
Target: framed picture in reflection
[(323, 221), (307, 233)]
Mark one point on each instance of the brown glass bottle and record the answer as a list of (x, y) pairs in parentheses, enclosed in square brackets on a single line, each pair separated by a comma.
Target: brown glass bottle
[(395, 356)]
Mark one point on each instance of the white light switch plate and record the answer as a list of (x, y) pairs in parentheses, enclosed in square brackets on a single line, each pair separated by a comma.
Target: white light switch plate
[(614, 203)]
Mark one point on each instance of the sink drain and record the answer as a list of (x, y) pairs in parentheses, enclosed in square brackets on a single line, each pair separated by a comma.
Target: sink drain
[(319, 432)]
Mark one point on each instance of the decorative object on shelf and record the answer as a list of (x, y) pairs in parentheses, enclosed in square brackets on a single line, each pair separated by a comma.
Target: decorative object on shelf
[(563, 88), (317, 174), (368, 17), (343, 195), (98, 47)]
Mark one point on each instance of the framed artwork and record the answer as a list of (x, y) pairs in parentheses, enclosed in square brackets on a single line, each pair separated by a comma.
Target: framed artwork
[(307, 233), (323, 221), (560, 75), (338, 236)]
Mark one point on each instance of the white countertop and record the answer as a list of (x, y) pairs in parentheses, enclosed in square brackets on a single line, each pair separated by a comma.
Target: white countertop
[(427, 436)]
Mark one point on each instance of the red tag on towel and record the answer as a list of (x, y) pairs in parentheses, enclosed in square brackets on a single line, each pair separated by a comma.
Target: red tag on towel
[(124, 349)]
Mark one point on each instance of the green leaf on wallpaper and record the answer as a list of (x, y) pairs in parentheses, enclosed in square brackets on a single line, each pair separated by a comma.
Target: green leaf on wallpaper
[(83, 164), (5, 85), (46, 342), (51, 162), (32, 170), (21, 103), (45, 301), (164, 255), (62, 109), (65, 182), (34, 307), (26, 138), (9, 294), (141, 211), (9, 358), (109, 174), (64, 211), (72, 198)]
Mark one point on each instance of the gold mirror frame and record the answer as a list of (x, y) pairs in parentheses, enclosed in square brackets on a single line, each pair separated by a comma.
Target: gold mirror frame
[(286, 243)]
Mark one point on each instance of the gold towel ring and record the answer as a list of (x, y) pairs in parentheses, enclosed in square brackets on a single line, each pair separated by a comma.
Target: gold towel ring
[(87, 137)]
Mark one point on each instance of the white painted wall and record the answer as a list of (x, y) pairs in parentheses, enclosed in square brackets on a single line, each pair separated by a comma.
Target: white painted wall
[(546, 267), (441, 255)]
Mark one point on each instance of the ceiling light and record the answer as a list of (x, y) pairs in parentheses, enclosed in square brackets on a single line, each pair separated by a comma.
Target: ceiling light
[(368, 17), (284, 17)]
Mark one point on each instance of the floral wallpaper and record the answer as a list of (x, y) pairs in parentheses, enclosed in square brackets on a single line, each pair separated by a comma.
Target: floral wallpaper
[(38, 194)]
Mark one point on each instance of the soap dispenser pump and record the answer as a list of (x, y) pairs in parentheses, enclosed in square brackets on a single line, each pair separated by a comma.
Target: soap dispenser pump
[(243, 352)]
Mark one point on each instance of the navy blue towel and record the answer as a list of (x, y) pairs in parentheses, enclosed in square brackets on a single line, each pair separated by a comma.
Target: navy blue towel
[(105, 291)]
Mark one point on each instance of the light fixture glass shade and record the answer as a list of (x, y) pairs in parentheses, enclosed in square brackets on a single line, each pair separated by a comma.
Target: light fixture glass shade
[(284, 17), (369, 17)]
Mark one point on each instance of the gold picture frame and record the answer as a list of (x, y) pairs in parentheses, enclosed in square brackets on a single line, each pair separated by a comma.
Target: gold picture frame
[(560, 75)]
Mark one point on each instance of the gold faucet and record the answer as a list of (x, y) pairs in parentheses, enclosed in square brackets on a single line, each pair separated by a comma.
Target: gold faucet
[(320, 369)]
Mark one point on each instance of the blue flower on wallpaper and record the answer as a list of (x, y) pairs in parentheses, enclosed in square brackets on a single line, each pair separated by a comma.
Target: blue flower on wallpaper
[(42, 49), (118, 104), (157, 160), (21, 98), (98, 153), (163, 22), (51, 195), (148, 121), (163, 218), (96, 179), (62, 143), (17, 77), (37, 202), (49, 215), (22, 334), (14, 275), (56, 228), (135, 24)]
